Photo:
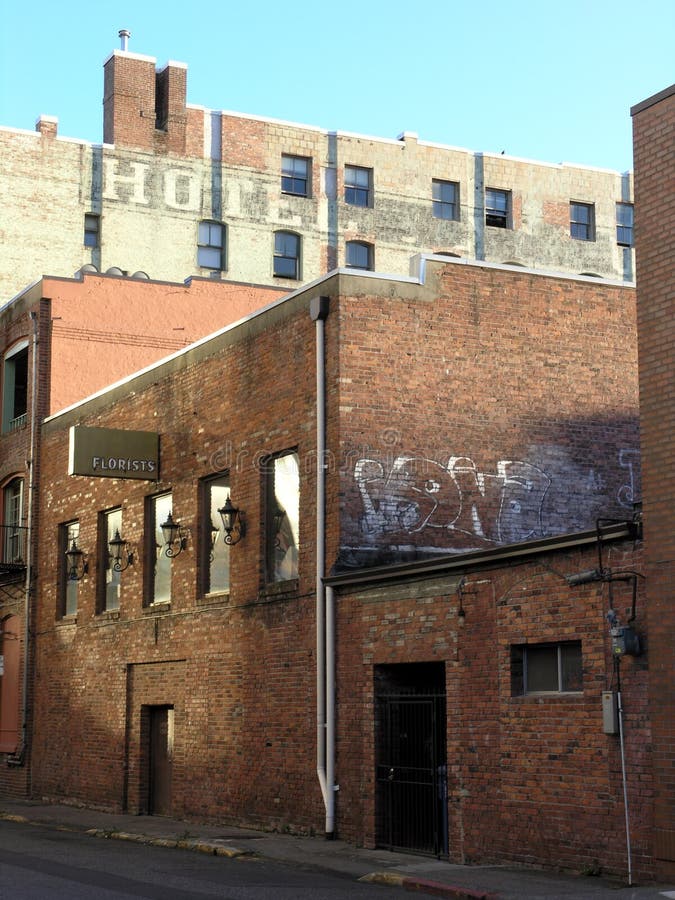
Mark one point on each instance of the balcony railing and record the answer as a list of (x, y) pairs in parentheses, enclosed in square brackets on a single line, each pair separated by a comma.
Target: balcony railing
[(18, 422), (12, 548)]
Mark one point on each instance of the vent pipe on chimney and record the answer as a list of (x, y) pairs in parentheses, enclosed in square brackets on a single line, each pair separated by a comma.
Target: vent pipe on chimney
[(124, 36)]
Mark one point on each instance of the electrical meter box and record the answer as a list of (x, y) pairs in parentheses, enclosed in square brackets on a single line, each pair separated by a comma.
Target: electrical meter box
[(610, 712)]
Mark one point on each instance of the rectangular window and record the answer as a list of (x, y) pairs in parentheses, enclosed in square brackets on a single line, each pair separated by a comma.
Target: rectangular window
[(497, 208), (13, 529), (282, 515), (445, 199), (624, 224), (157, 562), (286, 255), (92, 226), (295, 175), (546, 668), (69, 534), (359, 255), (215, 552), (358, 186), (110, 527), (15, 388), (211, 246), (582, 221)]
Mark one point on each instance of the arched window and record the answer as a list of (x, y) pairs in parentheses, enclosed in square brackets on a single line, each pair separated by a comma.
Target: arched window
[(211, 246), (15, 387), (287, 254), (359, 255)]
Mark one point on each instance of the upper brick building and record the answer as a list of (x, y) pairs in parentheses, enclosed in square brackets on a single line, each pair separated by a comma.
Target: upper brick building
[(654, 147), (176, 189)]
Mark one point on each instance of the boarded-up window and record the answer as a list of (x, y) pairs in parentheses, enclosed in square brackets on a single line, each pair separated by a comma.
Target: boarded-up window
[(10, 651)]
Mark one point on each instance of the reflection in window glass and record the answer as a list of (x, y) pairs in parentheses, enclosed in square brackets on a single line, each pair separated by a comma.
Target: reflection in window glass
[(113, 525), (161, 582), (283, 514), (218, 569), (72, 533)]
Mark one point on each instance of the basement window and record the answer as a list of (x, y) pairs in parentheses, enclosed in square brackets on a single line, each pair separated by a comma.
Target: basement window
[(551, 668)]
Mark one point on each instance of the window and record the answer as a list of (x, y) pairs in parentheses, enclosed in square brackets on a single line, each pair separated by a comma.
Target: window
[(10, 683), (295, 175), (15, 388), (211, 246), (497, 204), (359, 255), (157, 563), (286, 254), (68, 532), (358, 185), (282, 514), (110, 525), (92, 226), (13, 530), (624, 224), (215, 552), (582, 221), (546, 668), (444, 198)]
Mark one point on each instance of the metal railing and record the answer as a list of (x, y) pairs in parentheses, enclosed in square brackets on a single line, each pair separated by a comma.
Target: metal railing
[(13, 547)]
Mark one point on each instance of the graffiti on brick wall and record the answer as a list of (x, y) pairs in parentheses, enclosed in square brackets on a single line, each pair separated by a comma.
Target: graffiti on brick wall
[(412, 494)]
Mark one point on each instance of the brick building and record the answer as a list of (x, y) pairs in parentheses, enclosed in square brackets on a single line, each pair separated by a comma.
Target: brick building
[(62, 340), (654, 149), (458, 416), (176, 189)]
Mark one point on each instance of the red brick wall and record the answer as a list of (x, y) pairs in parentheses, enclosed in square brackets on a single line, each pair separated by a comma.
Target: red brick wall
[(654, 149), (499, 406), (531, 779), (239, 670)]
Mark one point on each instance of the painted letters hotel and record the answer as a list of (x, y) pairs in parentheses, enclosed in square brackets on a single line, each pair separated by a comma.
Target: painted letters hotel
[(423, 547)]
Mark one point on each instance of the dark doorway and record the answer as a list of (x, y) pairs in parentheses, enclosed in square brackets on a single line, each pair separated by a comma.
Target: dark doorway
[(160, 760), (411, 789)]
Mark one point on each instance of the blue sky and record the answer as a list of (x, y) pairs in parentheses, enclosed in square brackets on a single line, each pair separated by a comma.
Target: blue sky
[(540, 80)]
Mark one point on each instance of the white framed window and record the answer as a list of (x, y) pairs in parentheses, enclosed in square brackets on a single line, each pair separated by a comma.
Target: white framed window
[(445, 199), (69, 532), (547, 668), (110, 526), (624, 224), (295, 175), (582, 221), (358, 186), (359, 255), (497, 207), (287, 254), (211, 246)]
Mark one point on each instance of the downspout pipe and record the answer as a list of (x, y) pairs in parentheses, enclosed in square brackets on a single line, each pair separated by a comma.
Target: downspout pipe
[(19, 758), (319, 308)]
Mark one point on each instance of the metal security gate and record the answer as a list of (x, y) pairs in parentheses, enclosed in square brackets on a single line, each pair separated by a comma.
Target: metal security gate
[(411, 807)]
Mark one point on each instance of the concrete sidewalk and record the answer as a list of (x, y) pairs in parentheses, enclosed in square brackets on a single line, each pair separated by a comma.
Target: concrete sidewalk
[(414, 873)]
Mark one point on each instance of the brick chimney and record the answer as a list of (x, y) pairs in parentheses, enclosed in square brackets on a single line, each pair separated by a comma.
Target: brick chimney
[(142, 107)]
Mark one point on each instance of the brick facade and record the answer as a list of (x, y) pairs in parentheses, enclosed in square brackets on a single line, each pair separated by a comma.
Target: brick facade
[(407, 401), (654, 148), (166, 165)]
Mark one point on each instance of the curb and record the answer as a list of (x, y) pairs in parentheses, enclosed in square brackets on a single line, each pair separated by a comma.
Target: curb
[(196, 846), (424, 886)]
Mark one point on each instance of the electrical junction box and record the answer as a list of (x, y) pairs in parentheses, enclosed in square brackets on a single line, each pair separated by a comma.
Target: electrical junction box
[(610, 712), (625, 641)]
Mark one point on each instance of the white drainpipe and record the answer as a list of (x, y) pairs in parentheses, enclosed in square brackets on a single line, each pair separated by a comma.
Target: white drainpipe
[(325, 645)]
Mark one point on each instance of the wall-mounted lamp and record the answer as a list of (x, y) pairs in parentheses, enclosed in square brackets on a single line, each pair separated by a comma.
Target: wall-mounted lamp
[(175, 536), (77, 563), (120, 556), (232, 523)]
